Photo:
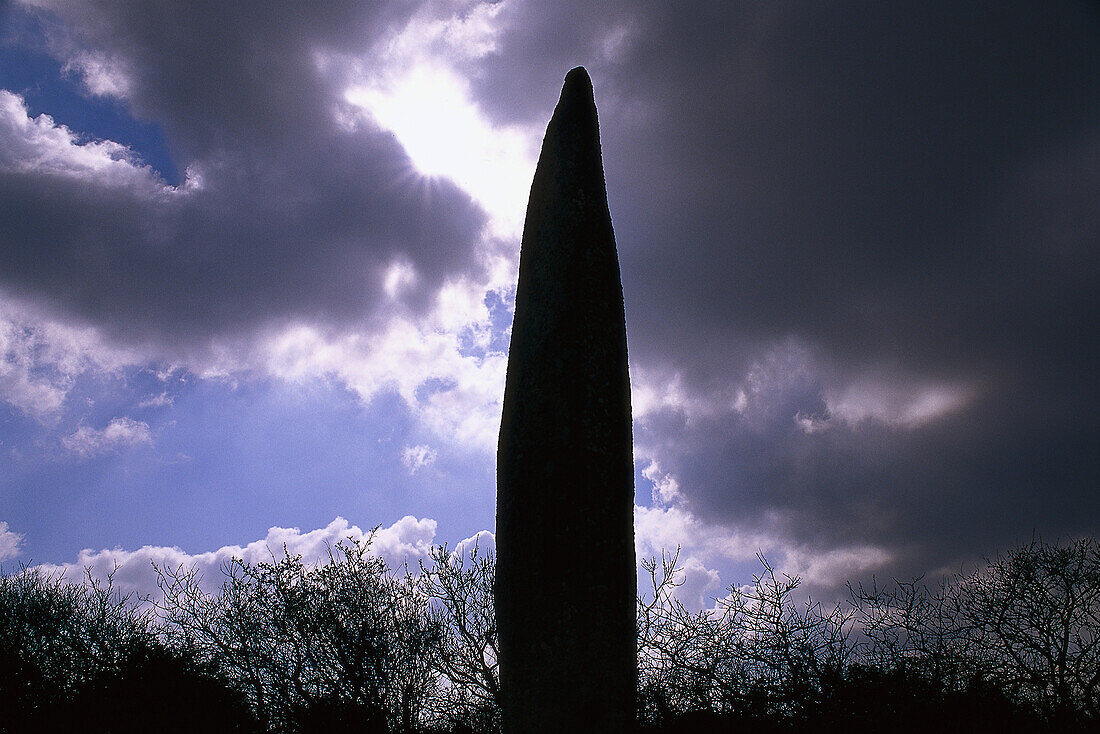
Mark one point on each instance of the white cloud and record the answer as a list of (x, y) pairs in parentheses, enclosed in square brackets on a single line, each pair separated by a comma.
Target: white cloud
[(463, 404), (448, 349), (707, 551), (427, 106), (659, 529), (414, 86), (409, 538), (9, 542), (119, 433), (666, 490), (795, 370), (42, 146), (400, 275), (697, 584), (832, 567), (670, 524), (653, 390), (20, 386), (417, 457), (899, 403), (157, 401), (811, 423), (485, 540), (40, 358), (102, 75)]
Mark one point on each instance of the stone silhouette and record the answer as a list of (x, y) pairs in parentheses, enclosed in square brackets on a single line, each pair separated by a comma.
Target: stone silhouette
[(566, 574)]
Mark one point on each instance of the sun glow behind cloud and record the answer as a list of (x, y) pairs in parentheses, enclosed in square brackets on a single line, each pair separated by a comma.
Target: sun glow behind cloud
[(429, 109)]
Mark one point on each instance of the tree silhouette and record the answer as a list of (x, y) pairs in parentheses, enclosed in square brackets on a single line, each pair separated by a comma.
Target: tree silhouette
[(461, 585), (85, 658), (310, 648), (285, 646)]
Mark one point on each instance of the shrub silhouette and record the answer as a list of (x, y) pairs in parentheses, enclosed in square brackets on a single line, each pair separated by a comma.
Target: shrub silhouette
[(311, 647), (349, 645), (84, 658), (460, 587), (1015, 645), (1027, 624)]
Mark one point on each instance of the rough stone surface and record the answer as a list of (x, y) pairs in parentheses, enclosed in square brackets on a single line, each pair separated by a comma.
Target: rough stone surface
[(566, 575)]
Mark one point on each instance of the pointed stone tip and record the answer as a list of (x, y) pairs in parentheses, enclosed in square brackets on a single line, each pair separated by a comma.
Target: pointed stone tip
[(577, 84), (575, 113), (578, 75)]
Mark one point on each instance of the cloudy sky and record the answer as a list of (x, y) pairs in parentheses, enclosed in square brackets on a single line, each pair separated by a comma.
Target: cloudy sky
[(257, 265)]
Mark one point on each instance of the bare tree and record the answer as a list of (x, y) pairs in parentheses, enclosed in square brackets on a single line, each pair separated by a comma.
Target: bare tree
[(683, 656), (61, 635), (460, 586), (311, 647), (790, 649), (1027, 624), (86, 657), (917, 630), (346, 643), (1035, 611), (757, 652)]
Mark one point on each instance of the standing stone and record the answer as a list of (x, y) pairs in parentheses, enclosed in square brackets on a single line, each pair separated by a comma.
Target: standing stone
[(566, 576)]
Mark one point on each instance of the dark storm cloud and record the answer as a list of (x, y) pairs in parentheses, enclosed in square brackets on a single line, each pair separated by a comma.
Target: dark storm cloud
[(297, 215), (837, 210), (906, 191)]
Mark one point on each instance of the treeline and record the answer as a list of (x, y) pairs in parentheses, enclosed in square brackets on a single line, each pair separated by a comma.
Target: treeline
[(349, 644)]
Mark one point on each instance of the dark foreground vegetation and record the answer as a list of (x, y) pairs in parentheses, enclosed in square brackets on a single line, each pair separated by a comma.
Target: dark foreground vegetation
[(349, 645)]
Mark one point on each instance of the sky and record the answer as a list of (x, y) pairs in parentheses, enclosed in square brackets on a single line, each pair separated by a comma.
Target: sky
[(258, 262)]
